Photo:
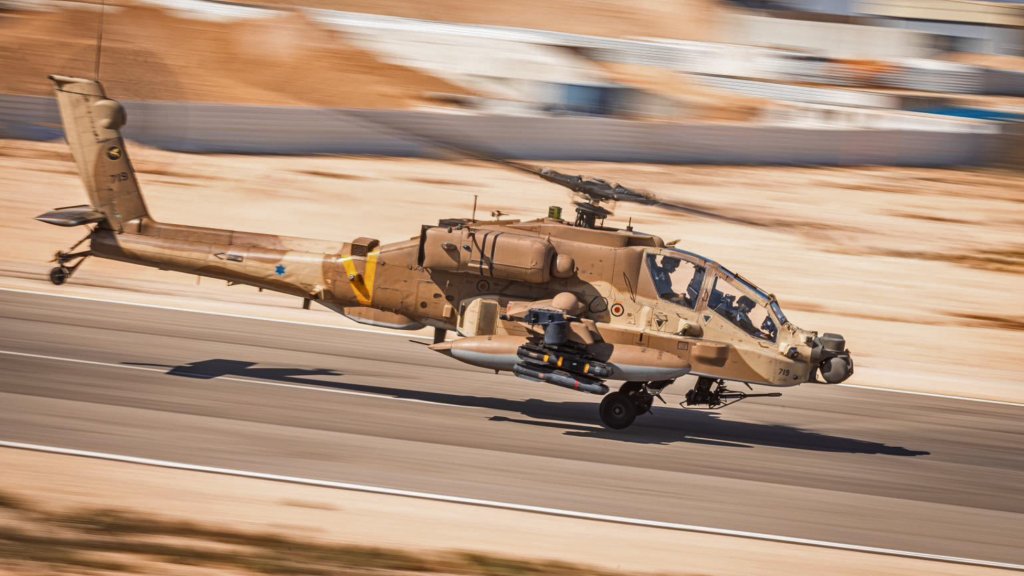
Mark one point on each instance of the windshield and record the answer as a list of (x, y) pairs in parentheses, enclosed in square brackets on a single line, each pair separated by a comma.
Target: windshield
[(675, 279), (761, 297), (778, 312), (730, 299), (737, 279), (726, 272)]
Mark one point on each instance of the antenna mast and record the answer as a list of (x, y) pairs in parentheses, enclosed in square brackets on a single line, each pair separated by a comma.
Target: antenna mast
[(99, 41)]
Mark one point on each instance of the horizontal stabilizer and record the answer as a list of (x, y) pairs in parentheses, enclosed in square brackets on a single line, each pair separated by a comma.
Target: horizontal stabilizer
[(71, 216)]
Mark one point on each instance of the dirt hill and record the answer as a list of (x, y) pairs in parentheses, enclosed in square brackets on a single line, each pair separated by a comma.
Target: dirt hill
[(148, 54)]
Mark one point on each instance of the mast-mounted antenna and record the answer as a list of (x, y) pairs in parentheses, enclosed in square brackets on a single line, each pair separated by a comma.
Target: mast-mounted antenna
[(99, 41)]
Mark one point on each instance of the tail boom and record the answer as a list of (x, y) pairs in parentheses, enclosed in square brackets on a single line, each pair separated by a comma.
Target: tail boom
[(339, 275), (311, 269)]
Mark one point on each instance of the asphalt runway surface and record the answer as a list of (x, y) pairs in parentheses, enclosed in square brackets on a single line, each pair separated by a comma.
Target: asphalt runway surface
[(872, 468)]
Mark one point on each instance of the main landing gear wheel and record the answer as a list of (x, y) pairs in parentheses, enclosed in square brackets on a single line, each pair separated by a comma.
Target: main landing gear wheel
[(59, 275), (638, 395), (617, 411)]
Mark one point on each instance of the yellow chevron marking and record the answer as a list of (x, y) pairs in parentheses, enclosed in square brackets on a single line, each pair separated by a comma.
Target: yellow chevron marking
[(362, 284)]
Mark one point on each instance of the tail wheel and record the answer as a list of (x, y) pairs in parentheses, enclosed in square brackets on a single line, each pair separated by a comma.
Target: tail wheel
[(617, 411), (59, 275)]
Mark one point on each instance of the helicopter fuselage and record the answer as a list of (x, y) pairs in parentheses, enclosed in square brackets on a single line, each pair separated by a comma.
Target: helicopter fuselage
[(463, 276)]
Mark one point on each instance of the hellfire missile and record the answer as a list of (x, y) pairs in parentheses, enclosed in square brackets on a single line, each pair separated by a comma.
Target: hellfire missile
[(559, 378), (627, 361), (568, 362)]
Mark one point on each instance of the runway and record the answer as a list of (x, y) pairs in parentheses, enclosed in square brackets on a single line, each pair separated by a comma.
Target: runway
[(931, 475)]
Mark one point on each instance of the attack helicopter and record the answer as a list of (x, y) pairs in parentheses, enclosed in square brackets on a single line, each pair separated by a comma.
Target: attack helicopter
[(576, 304)]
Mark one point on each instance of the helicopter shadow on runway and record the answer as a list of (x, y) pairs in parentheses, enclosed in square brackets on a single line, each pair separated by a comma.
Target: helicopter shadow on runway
[(667, 425)]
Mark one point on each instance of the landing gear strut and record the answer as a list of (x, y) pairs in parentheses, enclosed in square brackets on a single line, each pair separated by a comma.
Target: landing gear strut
[(62, 272), (620, 409)]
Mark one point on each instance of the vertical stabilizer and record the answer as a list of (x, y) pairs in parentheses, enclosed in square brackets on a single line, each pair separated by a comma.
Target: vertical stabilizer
[(92, 126)]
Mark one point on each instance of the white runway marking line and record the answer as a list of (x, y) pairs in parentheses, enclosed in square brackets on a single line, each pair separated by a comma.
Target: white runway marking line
[(231, 378), (508, 505), (211, 313), (933, 395), (413, 336)]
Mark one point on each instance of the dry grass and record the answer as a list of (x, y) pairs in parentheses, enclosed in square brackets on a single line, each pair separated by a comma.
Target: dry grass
[(440, 181), (929, 217), (325, 174), (85, 540), (986, 321), (10, 502), (1009, 260)]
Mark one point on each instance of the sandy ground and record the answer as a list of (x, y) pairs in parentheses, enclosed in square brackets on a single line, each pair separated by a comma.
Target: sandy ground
[(681, 19), (151, 55), (337, 516), (919, 268)]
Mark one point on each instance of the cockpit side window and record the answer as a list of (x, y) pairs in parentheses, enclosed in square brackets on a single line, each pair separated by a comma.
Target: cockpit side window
[(731, 303), (675, 279)]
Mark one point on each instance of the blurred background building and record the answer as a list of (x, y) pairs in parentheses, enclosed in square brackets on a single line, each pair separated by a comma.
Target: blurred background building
[(920, 82)]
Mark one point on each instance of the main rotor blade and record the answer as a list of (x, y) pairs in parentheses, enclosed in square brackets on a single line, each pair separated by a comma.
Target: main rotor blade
[(594, 189), (692, 210)]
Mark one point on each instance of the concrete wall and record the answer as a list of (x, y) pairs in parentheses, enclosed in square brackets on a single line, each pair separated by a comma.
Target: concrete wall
[(209, 128), (1003, 82), (964, 36), (791, 93), (829, 39), (1011, 151), (822, 116), (918, 74), (839, 7)]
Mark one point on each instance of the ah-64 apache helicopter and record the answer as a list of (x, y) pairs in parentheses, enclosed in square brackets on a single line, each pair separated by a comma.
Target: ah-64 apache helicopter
[(572, 304)]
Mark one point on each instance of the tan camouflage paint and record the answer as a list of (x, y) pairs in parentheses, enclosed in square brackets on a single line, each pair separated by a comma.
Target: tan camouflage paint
[(435, 280)]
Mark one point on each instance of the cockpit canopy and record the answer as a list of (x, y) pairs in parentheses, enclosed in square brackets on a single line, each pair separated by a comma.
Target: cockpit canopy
[(692, 281)]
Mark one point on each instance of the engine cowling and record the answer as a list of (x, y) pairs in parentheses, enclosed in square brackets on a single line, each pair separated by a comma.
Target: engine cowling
[(494, 254)]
